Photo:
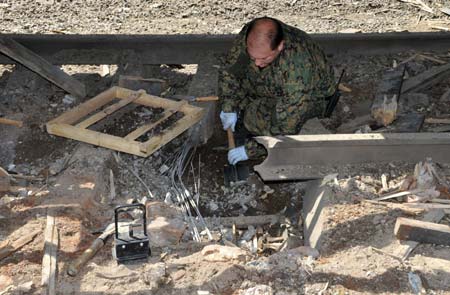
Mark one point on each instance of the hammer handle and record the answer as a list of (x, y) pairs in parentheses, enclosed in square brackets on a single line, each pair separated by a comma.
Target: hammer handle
[(231, 143), (207, 98), (97, 244), (75, 267), (11, 122)]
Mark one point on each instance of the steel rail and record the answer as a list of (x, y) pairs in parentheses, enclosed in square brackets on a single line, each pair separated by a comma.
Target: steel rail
[(192, 49), (300, 157)]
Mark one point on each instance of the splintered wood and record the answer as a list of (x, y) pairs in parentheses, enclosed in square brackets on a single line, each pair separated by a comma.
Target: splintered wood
[(8, 247), (420, 4), (49, 261), (74, 124), (422, 231), (384, 107)]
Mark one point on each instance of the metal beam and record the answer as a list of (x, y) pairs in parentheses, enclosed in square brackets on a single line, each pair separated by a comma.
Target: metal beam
[(190, 49), (314, 156)]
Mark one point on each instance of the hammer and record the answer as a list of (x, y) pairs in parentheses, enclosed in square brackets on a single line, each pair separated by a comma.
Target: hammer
[(99, 242), (234, 173), (192, 98)]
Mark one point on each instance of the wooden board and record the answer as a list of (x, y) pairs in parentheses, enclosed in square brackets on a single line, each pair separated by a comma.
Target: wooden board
[(422, 231), (49, 260), (205, 83), (384, 107), (73, 123), (152, 86), (403, 250), (42, 67), (426, 79), (109, 110), (9, 248)]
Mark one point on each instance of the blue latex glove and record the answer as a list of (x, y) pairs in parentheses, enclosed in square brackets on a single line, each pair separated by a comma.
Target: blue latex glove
[(228, 120), (236, 155)]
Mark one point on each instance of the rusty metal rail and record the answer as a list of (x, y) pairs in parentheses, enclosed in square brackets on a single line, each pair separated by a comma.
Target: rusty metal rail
[(191, 49)]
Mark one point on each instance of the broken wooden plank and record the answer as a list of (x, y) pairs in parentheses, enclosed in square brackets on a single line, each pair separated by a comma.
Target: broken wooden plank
[(5, 180), (437, 120), (49, 260), (432, 58), (400, 206), (205, 83), (398, 194), (385, 103), (11, 122), (42, 67), (403, 250), (150, 85), (5, 183), (344, 88), (315, 156), (440, 201), (426, 79), (427, 206), (8, 248), (407, 247), (405, 123), (420, 4), (422, 231)]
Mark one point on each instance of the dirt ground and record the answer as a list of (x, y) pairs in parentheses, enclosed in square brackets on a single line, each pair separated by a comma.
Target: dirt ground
[(72, 179)]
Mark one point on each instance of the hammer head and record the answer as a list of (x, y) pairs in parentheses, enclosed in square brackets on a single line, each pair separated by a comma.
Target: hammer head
[(235, 173)]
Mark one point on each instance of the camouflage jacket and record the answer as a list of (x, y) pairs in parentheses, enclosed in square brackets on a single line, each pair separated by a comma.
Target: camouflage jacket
[(295, 79)]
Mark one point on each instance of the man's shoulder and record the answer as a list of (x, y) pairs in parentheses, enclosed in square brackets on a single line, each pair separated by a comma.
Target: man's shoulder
[(295, 35)]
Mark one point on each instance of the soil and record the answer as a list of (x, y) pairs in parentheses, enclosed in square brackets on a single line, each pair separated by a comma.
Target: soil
[(73, 178)]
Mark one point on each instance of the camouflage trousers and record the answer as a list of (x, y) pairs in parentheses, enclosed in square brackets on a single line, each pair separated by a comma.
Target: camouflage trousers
[(260, 118)]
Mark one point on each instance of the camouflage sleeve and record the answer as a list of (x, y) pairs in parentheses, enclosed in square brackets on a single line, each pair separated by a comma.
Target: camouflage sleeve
[(231, 74)]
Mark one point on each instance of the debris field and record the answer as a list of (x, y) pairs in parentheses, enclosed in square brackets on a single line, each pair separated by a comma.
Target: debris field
[(78, 141)]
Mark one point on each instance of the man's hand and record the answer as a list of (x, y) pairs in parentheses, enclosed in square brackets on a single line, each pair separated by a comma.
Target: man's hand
[(236, 155), (228, 120)]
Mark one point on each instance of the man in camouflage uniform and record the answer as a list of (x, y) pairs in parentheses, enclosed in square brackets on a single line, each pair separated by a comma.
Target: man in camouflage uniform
[(274, 79)]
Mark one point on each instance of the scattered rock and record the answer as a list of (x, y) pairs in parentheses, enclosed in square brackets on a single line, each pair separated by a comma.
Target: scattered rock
[(259, 265), (115, 272), (165, 224), (220, 253), (154, 275), (5, 281), (69, 99), (212, 206), (25, 288), (258, 290), (179, 274)]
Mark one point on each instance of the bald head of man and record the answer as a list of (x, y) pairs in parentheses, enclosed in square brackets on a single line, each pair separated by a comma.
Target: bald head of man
[(264, 41)]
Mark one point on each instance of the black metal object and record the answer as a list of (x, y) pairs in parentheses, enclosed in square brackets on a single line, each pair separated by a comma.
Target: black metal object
[(334, 99), (130, 240), (185, 49), (235, 173)]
